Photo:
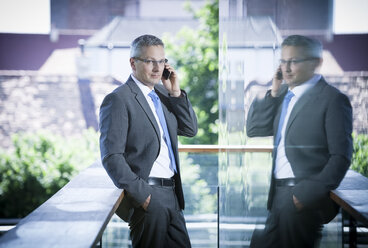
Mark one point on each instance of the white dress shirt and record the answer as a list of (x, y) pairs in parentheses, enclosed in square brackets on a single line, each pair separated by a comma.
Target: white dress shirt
[(282, 167), (161, 167)]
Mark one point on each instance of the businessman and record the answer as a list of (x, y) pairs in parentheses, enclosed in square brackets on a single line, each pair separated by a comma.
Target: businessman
[(311, 122), (139, 125)]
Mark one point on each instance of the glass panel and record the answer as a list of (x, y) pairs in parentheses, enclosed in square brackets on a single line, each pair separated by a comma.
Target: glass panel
[(251, 32), (248, 56), (243, 195)]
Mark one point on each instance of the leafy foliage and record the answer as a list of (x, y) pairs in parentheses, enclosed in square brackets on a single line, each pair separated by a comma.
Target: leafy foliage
[(195, 54), (359, 161), (197, 192), (39, 166)]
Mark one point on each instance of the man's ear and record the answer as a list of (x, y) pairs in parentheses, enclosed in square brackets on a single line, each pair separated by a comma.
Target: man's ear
[(318, 64), (320, 61), (132, 64)]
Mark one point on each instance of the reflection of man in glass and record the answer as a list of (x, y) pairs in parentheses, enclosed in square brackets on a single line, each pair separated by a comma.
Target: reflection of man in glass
[(139, 124), (311, 122)]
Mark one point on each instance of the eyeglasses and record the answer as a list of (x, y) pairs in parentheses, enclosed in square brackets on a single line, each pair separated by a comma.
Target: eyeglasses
[(294, 61), (152, 62)]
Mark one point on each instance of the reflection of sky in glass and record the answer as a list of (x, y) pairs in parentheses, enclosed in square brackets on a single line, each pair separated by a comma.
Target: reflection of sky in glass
[(25, 16), (350, 16), (16, 17)]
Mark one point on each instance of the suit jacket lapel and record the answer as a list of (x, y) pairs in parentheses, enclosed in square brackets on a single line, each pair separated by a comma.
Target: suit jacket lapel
[(144, 104), (310, 95)]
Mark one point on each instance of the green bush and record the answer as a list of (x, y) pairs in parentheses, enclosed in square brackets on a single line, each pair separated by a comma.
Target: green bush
[(359, 161), (38, 166), (197, 192)]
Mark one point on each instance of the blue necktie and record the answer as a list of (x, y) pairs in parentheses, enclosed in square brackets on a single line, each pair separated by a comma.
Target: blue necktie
[(285, 105), (161, 117)]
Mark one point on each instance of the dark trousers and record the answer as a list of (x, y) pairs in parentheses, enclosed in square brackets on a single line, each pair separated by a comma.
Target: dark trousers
[(287, 227), (162, 225)]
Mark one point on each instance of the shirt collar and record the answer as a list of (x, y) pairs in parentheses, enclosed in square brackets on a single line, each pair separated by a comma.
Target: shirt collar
[(301, 89), (144, 88)]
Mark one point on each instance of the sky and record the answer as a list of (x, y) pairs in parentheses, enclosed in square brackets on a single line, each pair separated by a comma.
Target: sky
[(33, 16), (350, 16), (25, 16)]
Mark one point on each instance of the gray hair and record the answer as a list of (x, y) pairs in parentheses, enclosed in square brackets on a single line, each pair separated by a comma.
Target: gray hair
[(144, 41), (311, 46)]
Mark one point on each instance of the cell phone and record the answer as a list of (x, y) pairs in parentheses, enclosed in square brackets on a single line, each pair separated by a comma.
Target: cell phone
[(279, 75), (166, 74)]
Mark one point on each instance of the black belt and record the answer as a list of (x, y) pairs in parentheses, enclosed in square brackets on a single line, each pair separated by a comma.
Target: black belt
[(168, 182), (286, 182)]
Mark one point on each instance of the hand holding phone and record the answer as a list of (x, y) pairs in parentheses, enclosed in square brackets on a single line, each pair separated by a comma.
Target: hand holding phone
[(170, 81), (279, 74), (166, 74), (276, 82)]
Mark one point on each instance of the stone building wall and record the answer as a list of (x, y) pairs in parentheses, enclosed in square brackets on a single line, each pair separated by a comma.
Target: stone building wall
[(61, 105), (354, 85), (31, 103)]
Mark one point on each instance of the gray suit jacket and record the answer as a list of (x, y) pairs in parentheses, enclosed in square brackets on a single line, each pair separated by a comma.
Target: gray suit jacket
[(318, 142), (130, 139)]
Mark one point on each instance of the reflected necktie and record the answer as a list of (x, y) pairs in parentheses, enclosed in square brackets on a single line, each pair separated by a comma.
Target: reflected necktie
[(161, 117), (285, 105)]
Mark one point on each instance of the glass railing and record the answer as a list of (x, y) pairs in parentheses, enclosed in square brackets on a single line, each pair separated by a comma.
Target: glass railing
[(244, 181), (222, 215)]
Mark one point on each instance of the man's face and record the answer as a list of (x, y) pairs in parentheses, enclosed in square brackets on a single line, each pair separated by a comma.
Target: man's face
[(297, 66), (149, 73)]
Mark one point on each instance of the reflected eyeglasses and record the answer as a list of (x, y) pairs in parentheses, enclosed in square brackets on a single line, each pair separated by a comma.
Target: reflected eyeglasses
[(152, 62)]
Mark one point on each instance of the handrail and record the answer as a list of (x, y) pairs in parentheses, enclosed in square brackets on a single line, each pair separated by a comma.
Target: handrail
[(352, 196), (224, 148), (75, 216)]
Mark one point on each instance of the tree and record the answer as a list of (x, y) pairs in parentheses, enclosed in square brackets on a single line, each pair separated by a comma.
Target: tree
[(359, 161), (40, 165), (195, 55)]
